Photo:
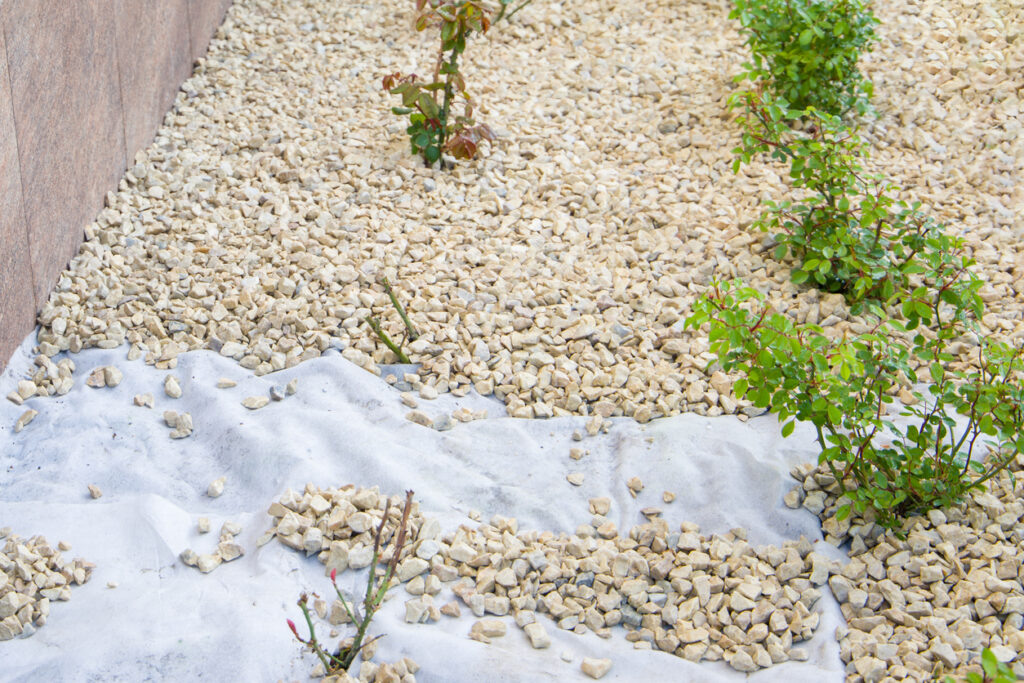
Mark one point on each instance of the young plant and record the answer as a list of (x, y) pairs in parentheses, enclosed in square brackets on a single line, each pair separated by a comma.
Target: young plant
[(992, 671), (807, 50), (375, 592), (411, 333), (847, 233), (844, 386), (434, 125)]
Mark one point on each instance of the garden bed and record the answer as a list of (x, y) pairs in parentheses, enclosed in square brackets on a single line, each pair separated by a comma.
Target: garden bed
[(553, 273)]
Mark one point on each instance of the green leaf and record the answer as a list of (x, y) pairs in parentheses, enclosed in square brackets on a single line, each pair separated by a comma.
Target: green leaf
[(788, 428), (806, 36)]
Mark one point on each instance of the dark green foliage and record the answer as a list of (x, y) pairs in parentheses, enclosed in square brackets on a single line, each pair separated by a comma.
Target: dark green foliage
[(844, 385), (993, 671), (807, 50), (846, 231)]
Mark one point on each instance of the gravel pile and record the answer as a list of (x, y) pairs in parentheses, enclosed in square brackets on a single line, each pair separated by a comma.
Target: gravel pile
[(555, 270), (680, 592), (33, 575), (929, 602)]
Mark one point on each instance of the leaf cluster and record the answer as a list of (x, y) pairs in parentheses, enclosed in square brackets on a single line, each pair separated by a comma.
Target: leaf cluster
[(807, 50), (992, 671), (845, 386), (846, 230)]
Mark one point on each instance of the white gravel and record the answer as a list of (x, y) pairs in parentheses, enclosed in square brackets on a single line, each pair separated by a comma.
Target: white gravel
[(553, 271)]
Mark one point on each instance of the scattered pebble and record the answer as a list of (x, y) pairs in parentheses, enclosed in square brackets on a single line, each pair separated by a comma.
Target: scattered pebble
[(595, 668), (143, 400), (443, 423), (25, 419), (255, 402), (203, 525), (575, 478), (216, 487), (225, 383), (94, 491), (112, 376), (112, 584), (635, 486), (277, 393), (292, 387), (575, 453), (171, 387), (180, 424), (668, 496), (419, 418)]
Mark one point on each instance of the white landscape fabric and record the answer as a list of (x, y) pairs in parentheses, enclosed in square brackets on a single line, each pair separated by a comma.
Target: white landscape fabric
[(166, 621)]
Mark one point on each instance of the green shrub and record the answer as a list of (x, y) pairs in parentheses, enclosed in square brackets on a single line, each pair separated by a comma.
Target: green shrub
[(993, 671), (807, 50), (847, 232), (843, 386), (434, 126)]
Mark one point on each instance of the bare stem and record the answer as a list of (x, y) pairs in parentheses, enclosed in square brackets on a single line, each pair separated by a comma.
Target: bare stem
[(375, 326), (413, 334)]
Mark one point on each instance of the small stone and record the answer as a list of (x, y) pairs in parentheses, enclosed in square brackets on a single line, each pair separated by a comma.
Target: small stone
[(25, 419), (94, 491), (539, 638), (143, 400), (428, 392), (575, 453), (600, 506), (96, 380), (276, 393), (668, 496), (635, 486), (112, 584), (741, 661), (15, 398), (489, 628), (112, 376), (255, 402), (419, 418), (451, 609), (225, 383), (207, 563), (216, 487), (443, 423), (228, 551), (595, 668), (575, 478), (171, 387), (292, 387), (203, 525)]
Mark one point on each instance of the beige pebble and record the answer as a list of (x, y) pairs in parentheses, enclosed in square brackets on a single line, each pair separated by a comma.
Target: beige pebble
[(255, 402), (575, 478), (171, 387), (216, 487), (94, 491), (25, 419), (595, 668)]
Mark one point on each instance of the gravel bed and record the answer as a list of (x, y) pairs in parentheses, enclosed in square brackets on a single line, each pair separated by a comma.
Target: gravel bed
[(926, 600), (556, 269)]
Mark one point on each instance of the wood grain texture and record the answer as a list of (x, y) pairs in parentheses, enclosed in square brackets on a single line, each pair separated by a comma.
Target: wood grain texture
[(154, 49), (66, 100), (17, 299)]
